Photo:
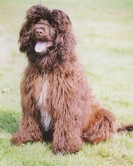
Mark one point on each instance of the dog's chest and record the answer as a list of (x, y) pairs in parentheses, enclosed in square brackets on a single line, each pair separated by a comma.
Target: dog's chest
[(46, 119)]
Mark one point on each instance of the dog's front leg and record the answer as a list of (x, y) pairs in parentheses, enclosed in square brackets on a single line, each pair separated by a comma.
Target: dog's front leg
[(30, 127), (67, 133), (29, 131)]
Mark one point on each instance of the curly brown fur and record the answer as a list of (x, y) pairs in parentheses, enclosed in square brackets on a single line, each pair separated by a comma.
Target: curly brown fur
[(125, 128), (57, 101)]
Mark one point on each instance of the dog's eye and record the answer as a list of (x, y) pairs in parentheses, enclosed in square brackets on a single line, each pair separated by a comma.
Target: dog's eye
[(40, 21)]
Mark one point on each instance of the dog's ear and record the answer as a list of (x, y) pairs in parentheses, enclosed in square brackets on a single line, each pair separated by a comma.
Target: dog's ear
[(61, 19), (65, 41), (24, 37)]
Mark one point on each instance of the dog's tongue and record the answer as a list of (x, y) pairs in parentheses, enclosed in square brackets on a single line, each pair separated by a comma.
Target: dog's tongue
[(40, 46)]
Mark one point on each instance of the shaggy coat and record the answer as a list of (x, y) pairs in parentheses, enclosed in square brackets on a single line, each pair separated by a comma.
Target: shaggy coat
[(57, 101)]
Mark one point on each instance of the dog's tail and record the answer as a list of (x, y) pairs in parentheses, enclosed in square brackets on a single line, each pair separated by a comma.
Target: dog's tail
[(125, 128)]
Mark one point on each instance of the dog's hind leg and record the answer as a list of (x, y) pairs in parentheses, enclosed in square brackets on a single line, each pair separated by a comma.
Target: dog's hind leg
[(101, 127)]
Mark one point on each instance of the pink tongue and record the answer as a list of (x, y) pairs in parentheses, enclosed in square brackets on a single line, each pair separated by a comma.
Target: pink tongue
[(40, 46)]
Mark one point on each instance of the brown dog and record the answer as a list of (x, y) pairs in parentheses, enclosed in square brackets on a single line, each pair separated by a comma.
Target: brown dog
[(57, 101)]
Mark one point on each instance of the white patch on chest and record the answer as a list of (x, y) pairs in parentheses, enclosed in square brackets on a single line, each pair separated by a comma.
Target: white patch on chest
[(46, 119)]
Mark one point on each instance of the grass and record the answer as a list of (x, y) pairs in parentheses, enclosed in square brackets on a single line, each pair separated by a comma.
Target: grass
[(105, 46)]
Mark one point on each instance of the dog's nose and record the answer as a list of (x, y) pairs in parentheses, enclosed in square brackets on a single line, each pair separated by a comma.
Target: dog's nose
[(39, 32)]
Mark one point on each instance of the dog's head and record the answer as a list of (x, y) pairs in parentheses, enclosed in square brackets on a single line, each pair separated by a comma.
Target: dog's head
[(43, 36), (46, 33)]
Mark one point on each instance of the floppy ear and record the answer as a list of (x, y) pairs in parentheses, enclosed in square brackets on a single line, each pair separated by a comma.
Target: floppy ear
[(24, 37), (61, 19), (65, 41)]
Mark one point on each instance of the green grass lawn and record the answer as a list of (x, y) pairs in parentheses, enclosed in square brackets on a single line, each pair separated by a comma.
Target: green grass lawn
[(104, 33)]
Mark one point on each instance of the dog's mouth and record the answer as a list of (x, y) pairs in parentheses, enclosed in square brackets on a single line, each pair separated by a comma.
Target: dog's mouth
[(42, 47)]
